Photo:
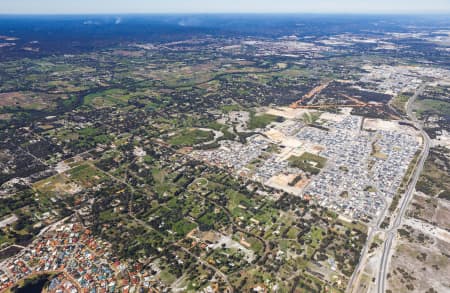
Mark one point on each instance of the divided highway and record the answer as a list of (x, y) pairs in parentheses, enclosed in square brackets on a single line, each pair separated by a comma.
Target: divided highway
[(390, 235), (406, 199)]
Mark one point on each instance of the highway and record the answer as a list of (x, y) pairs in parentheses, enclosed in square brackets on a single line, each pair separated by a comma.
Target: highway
[(406, 199), (392, 232), (359, 268)]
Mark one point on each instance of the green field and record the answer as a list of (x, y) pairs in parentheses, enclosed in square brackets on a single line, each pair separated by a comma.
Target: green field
[(107, 98), (86, 175), (399, 102), (183, 227), (262, 120), (229, 108), (433, 106), (222, 128), (190, 137), (308, 162)]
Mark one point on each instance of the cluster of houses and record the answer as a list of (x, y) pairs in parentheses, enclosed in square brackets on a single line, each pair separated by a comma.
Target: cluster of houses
[(399, 150), (397, 79), (364, 168), (234, 155), (85, 263)]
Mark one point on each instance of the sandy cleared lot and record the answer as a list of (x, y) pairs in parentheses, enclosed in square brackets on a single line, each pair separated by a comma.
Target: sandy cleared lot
[(12, 99), (275, 135), (332, 117), (127, 53), (289, 113), (280, 138), (59, 184), (387, 125), (281, 181), (428, 229), (290, 151), (5, 116), (230, 243), (8, 221), (442, 140)]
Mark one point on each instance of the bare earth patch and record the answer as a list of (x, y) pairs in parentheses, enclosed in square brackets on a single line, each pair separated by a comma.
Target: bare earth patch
[(419, 266), (12, 99), (26, 100), (431, 210), (289, 113), (443, 215), (281, 181)]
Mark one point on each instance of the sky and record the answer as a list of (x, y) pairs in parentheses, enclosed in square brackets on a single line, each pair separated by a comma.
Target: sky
[(223, 6)]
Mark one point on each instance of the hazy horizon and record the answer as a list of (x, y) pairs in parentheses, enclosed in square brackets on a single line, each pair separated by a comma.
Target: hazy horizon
[(55, 7)]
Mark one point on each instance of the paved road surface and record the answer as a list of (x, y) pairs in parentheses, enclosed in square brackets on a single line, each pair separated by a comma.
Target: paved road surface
[(392, 232), (381, 279)]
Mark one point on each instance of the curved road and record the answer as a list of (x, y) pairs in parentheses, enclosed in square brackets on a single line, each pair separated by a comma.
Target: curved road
[(381, 279)]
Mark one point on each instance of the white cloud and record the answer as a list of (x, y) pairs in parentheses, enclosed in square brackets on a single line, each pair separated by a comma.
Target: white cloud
[(232, 6)]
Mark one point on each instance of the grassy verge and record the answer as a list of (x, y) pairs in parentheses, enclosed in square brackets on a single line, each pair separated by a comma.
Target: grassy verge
[(400, 101)]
